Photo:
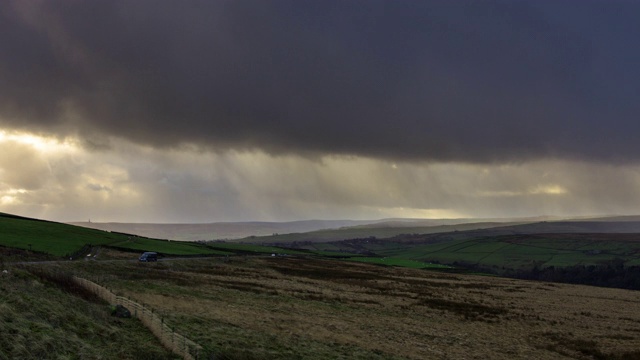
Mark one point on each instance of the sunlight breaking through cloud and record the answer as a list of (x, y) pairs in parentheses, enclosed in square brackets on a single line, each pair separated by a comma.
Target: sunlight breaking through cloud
[(40, 143), (128, 182), (549, 190)]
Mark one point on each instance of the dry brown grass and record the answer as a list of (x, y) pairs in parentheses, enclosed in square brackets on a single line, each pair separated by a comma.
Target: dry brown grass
[(310, 308)]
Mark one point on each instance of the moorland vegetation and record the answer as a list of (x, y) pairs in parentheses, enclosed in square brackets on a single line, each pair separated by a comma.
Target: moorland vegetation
[(364, 298), (263, 307)]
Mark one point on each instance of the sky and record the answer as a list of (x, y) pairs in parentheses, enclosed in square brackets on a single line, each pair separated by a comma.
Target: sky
[(272, 110)]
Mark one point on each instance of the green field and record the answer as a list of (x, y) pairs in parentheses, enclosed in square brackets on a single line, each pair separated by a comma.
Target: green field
[(518, 251), (252, 248), (390, 261)]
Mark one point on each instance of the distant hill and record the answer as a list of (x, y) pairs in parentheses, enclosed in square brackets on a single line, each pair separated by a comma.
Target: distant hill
[(463, 231), (379, 232), (563, 227), (614, 218), (220, 230), (239, 230)]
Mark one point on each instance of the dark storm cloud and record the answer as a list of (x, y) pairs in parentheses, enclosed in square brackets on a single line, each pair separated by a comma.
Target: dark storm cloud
[(434, 80)]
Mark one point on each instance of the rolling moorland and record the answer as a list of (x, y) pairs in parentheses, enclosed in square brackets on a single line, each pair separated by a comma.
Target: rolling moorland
[(593, 251), (253, 307), (317, 300), (598, 249)]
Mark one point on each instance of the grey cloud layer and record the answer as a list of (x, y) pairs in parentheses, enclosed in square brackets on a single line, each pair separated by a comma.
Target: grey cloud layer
[(420, 80)]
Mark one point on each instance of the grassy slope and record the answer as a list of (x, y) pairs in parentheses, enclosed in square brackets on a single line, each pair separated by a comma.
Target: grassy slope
[(39, 320), (49, 237), (62, 239)]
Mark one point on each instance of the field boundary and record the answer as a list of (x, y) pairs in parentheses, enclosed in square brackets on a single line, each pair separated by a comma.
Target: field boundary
[(177, 343)]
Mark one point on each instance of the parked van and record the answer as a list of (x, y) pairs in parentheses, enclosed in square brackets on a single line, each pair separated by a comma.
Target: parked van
[(148, 256)]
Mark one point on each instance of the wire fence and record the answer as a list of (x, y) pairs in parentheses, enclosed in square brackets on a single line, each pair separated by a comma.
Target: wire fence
[(177, 343)]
